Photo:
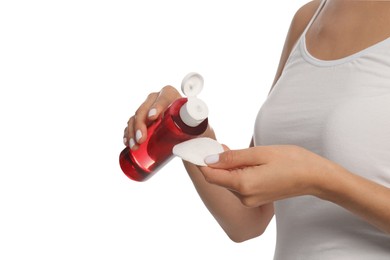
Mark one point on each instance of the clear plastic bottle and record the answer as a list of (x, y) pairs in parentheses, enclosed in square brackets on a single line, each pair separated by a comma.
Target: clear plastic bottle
[(184, 119)]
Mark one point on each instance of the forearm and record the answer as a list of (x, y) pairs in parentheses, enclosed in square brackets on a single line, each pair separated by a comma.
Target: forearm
[(367, 199), (239, 222)]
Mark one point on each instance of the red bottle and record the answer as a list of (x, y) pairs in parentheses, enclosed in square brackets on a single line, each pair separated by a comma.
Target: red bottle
[(184, 119)]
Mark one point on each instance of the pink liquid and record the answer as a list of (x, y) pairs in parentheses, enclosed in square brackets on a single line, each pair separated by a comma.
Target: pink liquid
[(156, 151)]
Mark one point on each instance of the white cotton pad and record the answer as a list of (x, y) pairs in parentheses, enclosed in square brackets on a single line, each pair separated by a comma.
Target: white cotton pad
[(195, 150)]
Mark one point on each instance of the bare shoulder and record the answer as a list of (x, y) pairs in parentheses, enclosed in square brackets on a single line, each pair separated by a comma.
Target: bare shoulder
[(301, 19), (304, 14), (298, 24)]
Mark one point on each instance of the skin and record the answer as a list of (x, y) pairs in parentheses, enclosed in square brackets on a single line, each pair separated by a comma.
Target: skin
[(240, 187)]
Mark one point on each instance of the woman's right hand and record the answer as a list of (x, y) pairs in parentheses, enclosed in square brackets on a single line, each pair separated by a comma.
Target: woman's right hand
[(157, 102)]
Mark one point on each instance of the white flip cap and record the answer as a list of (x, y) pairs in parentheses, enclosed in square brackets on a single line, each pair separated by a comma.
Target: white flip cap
[(193, 112), (192, 84)]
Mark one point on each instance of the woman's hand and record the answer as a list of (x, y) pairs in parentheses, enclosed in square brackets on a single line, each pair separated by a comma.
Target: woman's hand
[(263, 174), (136, 131)]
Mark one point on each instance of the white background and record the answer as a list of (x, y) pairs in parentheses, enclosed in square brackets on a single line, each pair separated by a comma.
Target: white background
[(72, 73)]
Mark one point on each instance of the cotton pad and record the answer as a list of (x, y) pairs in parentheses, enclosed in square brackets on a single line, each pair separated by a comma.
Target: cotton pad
[(195, 150)]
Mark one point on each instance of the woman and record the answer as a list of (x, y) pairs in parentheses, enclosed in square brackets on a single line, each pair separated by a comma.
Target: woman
[(320, 155)]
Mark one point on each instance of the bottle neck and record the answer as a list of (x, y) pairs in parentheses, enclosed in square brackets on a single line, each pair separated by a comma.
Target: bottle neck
[(174, 112)]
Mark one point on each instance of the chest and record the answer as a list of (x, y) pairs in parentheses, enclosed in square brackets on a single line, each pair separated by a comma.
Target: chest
[(341, 113)]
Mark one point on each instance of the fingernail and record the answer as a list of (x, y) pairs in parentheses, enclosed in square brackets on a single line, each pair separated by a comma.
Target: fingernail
[(211, 159), (138, 135), (131, 143), (152, 112), (125, 140)]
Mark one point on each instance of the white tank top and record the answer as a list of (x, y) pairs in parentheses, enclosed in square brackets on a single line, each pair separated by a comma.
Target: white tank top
[(339, 109)]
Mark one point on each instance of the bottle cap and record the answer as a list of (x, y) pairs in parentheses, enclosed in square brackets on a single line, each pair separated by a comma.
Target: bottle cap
[(192, 84), (193, 112)]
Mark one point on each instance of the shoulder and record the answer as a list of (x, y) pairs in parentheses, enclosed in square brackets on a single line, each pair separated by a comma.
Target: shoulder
[(299, 22), (302, 18)]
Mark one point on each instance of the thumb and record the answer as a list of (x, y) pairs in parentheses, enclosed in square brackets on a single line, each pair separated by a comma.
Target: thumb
[(215, 158), (232, 159)]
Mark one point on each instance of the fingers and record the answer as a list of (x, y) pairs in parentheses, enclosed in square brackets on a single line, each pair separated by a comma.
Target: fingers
[(136, 126), (221, 177), (156, 102), (128, 138), (141, 119), (225, 169), (225, 147), (233, 159), (167, 95), (238, 181)]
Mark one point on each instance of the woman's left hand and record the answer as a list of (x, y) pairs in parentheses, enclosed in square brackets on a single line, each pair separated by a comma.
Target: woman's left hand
[(263, 174)]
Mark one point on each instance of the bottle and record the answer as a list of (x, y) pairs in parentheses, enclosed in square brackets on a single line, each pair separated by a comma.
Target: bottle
[(184, 119)]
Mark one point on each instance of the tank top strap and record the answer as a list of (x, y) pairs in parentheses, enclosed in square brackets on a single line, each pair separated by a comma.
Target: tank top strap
[(322, 4), (302, 37)]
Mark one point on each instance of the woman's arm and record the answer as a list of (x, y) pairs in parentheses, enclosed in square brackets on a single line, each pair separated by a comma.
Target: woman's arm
[(261, 175), (239, 221), (264, 174), (365, 198)]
